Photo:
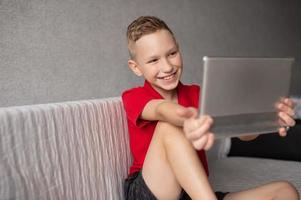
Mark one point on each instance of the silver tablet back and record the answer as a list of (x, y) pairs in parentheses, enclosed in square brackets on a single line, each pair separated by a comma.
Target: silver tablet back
[(240, 93)]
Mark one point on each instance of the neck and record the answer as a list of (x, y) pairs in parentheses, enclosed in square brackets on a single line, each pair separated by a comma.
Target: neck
[(169, 95)]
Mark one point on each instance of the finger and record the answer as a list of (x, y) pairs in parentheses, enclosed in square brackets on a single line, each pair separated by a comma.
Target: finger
[(198, 133), (282, 132), (192, 124), (281, 122), (289, 102), (288, 120), (285, 108), (200, 143), (207, 118), (203, 128), (203, 120), (210, 141)]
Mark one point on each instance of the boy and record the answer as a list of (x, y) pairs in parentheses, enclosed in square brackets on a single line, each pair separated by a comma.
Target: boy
[(167, 136)]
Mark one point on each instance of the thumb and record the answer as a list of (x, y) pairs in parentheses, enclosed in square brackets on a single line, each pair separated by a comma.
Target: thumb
[(189, 112)]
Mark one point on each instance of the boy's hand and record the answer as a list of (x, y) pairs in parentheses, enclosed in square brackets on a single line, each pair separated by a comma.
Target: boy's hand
[(286, 118), (286, 115), (197, 129)]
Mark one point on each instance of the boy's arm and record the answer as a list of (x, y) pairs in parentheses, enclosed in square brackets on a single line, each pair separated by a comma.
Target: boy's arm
[(285, 108), (196, 129), (163, 110)]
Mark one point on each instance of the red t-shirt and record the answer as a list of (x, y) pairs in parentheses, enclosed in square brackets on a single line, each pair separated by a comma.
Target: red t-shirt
[(141, 131)]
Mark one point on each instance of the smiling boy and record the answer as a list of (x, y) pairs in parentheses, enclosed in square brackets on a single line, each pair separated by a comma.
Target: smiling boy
[(167, 137)]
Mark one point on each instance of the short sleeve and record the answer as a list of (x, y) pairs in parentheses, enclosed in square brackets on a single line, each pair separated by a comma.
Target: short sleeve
[(134, 101)]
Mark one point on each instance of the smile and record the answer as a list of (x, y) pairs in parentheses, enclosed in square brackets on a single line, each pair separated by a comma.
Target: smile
[(168, 77)]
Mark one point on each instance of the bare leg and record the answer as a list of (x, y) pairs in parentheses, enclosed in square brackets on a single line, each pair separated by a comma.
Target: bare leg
[(172, 163), (280, 190)]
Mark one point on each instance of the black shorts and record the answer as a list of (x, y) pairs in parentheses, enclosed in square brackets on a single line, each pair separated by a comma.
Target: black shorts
[(136, 189)]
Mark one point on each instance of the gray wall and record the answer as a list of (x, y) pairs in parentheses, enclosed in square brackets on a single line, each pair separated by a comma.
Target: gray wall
[(65, 50)]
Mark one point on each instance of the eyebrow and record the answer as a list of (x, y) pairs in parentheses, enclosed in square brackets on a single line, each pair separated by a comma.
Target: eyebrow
[(168, 52), (172, 49)]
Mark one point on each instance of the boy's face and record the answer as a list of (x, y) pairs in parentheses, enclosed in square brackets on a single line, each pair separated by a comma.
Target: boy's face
[(158, 59)]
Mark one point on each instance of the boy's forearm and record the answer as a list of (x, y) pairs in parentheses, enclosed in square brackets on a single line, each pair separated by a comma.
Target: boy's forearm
[(168, 112)]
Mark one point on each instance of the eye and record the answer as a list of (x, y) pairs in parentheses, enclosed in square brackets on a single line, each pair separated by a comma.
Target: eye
[(173, 53), (153, 60)]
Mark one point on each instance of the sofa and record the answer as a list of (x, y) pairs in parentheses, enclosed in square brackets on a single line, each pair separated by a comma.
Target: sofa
[(80, 150)]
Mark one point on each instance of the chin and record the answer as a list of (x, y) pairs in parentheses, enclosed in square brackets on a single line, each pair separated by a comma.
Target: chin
[(169, 87)]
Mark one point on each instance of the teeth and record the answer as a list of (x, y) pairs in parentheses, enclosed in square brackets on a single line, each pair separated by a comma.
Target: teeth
[(168, 77)]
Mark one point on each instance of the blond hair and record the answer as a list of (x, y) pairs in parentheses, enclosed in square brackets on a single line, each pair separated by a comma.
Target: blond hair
[(141, 26)]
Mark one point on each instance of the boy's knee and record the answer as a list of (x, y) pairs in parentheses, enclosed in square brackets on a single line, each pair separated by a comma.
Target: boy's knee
[(167, 131), (165, 128)]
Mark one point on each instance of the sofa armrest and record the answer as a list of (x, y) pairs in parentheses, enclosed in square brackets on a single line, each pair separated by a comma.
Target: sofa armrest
[(63, 151)]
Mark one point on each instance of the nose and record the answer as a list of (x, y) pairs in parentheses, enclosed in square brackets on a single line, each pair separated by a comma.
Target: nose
[(166, 66)]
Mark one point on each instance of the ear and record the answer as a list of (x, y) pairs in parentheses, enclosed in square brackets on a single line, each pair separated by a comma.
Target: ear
[(133, 65)]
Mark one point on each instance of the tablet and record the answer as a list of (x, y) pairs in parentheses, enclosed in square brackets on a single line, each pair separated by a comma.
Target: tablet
[(240, 93)]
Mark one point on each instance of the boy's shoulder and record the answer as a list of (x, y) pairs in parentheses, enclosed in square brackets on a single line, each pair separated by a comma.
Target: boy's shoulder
[(133, 91), (136, 95)]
